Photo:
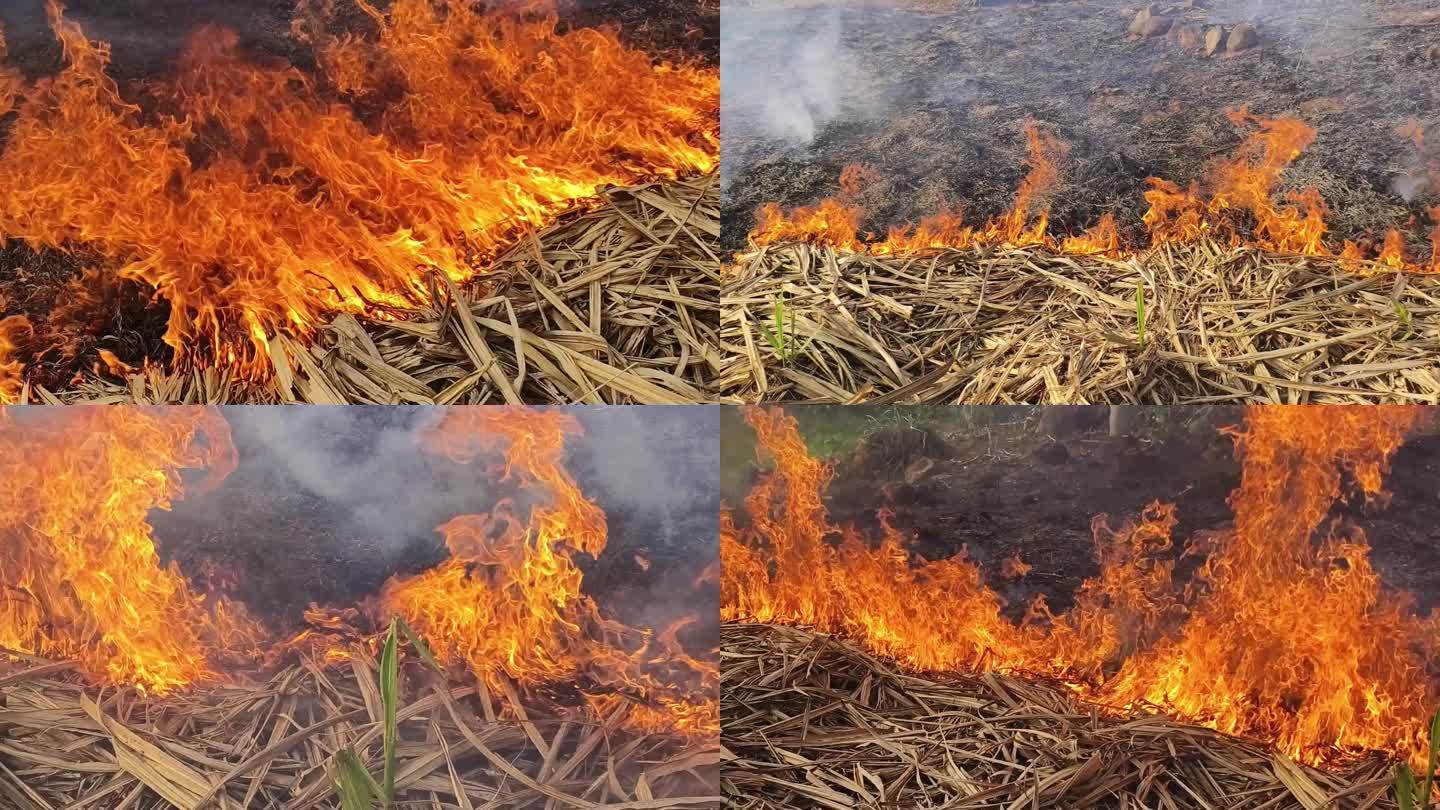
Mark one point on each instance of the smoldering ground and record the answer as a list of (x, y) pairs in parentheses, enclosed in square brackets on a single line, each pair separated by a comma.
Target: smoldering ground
[(786, 76), (960, 79), (327, 503)]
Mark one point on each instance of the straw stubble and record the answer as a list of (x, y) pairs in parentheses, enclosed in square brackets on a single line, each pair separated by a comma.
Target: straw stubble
[(1025, 325), (810, 721)]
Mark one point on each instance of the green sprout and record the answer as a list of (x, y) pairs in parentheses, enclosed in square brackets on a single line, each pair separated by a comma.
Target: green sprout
[(1405, 793), (1140, 314), (358, 788), (783, 342), (1404, 315)]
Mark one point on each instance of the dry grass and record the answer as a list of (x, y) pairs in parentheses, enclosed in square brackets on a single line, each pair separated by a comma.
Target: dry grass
[(616, 305), (1025, 325), (271, 745), (811, 722)]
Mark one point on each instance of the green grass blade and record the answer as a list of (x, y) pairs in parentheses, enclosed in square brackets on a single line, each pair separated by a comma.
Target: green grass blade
[(357, 787), (781, 347), (1403, 314), (389, 697), (1140, 313), (1434, 754), (1404, 787), (419, 645), (772, 334)]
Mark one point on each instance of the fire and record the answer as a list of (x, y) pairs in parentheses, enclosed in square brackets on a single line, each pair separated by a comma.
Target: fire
[(258, 199), (836, 221), (84, 582), (1285, 633), (1015, 567), (508, 603), (1240, 205), (15, 331), (80, 568), (1355, 677)]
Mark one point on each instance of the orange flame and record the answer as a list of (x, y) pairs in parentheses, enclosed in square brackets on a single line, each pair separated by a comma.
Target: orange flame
[(81, 573), (1279, 637), (15, 331), (836, 221), (1015, 567), (508, 603), (1241, 207), (256, 200)]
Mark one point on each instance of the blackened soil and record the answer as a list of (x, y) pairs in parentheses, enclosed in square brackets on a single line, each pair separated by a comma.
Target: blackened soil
[(995, 504), (935, 101), (686, 29)]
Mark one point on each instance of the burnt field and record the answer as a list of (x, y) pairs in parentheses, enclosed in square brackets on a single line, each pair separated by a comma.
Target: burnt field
[(934, 99)]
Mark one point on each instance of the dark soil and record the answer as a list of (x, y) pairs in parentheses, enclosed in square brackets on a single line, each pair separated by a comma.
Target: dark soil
[(283, 532), (935, 102), (998, 501)]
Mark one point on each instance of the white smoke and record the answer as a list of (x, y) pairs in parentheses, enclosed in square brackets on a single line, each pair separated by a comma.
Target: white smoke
[(786, 74)]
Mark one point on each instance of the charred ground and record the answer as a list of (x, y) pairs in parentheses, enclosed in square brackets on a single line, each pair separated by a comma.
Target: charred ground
[(936, 101)]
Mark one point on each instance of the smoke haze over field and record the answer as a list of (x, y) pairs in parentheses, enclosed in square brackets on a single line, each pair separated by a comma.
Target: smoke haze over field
[(785, 75), (327, 503)]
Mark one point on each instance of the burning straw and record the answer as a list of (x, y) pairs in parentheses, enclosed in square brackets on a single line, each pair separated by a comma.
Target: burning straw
[(809, 721), (273, 744), (1008, 324), (617, 305)]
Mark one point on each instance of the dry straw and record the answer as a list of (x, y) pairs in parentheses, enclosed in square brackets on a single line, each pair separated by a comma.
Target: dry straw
[(616, 305), (1008, 325), (809, 721), (273, 745)]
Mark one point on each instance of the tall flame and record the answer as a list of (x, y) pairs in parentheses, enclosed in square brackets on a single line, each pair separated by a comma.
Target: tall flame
[(508, 602), (1279, 636), (81, 574), (1242, 206), (256, 199)]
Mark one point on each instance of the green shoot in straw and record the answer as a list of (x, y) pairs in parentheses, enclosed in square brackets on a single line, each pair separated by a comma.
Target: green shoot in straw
[(389, 696), (357, 786), (1140, 313), (1405, 793), (776, 334), (1404, 315)]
